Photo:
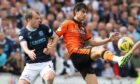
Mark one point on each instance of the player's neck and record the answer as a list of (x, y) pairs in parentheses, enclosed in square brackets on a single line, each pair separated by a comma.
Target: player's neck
[(30, 28), (75, 18)]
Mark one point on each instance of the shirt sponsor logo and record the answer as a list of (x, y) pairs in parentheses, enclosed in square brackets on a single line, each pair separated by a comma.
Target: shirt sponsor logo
[(78, 31), (39, 41)]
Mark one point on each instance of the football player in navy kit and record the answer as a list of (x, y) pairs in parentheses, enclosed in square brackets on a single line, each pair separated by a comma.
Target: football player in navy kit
[(34, 41)]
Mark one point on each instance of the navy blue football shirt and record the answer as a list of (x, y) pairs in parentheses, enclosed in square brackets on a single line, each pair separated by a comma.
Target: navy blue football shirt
[(38, 40)]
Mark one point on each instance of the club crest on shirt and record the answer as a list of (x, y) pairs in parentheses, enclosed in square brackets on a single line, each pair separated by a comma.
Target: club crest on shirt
[(30, 37), (41, 33)]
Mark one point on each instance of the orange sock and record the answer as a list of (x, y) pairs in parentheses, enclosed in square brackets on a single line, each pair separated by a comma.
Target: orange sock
[(108, 56)]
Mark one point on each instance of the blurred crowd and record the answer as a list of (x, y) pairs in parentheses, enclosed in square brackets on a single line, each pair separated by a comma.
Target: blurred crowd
[(104, 17)]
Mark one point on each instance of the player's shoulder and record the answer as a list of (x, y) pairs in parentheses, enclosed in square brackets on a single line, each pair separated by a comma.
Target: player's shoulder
[(23, 31), (43, 26)]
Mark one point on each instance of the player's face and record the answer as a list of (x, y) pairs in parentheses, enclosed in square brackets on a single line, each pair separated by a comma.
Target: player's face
[(36, 20), (81, 15)]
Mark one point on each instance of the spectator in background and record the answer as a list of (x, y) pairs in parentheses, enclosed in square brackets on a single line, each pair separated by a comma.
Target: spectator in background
[(17, 16), (14, 64), (124, 18), (131, 29), (115, 14), (123, 31), (4, 24), (109, 29), (5, 5), (50, 18), (108, 71), (56, 24), (38, 5), (3, 58), (94, 31), (137, 24), (7, 43), (101, 26), (68, 6), (60, 17), (98, 66), (135, 61)]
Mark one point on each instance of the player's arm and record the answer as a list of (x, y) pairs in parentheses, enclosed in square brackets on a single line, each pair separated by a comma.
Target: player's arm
[(104, 41), (58, 33), (24, 46), (51, 46), (53, 37), (29, 52), (54, 40), (93, 42)]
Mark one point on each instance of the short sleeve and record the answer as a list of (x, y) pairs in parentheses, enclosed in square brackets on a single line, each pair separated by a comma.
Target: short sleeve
[(62, 29), (88, 35), (21, 36), (48, 31)]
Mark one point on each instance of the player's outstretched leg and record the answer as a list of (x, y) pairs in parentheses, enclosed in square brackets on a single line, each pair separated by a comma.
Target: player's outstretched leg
[(129, 54), (109, 56), (124, 59)]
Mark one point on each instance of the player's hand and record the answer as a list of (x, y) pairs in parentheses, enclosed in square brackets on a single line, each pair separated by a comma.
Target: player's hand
[(46, 51), (49, 50), (114, 36), (31, 54)]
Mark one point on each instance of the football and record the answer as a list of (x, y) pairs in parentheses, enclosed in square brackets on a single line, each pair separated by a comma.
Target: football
[(125, 44)]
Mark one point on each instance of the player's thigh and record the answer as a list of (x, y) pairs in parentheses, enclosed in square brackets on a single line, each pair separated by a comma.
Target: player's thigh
[(48, 73), (83, 63), (28, 75), (96, 52)]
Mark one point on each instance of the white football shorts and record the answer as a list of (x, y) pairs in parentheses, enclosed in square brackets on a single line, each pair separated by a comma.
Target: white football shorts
[(32, 71)]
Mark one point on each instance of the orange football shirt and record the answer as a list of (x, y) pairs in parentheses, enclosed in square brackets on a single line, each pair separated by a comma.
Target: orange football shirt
[(74, 36)]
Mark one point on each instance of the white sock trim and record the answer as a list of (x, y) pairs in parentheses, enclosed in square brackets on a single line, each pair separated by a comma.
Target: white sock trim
[(116, 58)]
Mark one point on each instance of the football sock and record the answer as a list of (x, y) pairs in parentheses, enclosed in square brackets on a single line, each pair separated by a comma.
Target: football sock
[(109, 56)]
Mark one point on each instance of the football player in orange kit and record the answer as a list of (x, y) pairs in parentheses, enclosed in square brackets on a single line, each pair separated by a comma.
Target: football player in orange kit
[(75, 36)]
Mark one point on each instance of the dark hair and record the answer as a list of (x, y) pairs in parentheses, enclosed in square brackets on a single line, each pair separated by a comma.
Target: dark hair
[(79, 6), (29, 14)]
